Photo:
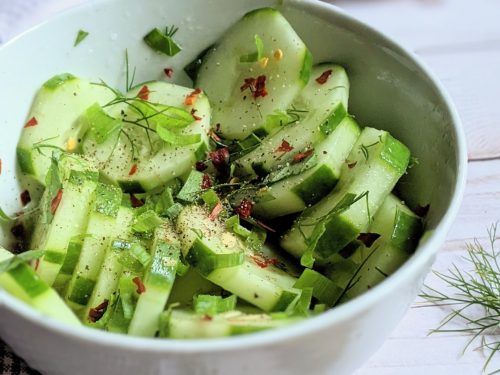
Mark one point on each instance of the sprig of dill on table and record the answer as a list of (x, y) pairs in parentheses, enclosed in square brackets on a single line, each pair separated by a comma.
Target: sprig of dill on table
[(475, 302)]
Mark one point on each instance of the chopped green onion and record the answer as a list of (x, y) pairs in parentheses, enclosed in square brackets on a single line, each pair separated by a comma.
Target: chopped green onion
[(323, 288), (301, 308), (256, 239), (319, 308), (165, 201), (233, 223), (175, 138), (100, 124), (192, 187), (127, 290), (254, 56), (205, 304), (161, 42), (210, 198), (80, 37), (162, 115), (182, 268), (174, 211), (140, 254), (146, 222)]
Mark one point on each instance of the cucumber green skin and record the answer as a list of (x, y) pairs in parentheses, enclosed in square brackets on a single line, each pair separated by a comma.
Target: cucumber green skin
[(70, 220), (326, 105), (24, 283), (56, 126), (222, 74), (158, 282), (387, 161), (110, 269), (296, 193), (180, 324), (101, 227), (70, 261), (167, 162), (400, 230), (189, 285)]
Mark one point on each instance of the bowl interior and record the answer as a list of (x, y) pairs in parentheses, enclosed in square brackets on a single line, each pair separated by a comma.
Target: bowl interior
[(389, 89)]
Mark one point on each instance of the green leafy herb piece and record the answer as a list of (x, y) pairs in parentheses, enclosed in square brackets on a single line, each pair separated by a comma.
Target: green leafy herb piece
[(233, 223), (474, 301), (257, 55), (53, 185), (210, 198), (290, 170), (176, 139), (163, 42), (192, 187), (205, 304), (146, 222), (165, 201), (161, 115), (82, 34), (15, 260), (101, 126)]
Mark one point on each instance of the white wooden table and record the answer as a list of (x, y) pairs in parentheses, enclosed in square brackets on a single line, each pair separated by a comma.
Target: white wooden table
[(460, 41)]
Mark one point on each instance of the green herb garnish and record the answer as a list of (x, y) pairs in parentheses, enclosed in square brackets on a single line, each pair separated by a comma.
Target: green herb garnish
[(257, 55), (163, 42), (473, 297), (14, 261), (82, 34)]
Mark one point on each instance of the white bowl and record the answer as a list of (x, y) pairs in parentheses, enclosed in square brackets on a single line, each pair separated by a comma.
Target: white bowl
[(391, 89)]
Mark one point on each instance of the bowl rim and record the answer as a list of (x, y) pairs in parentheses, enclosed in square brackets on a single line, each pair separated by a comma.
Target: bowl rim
[(310, 325)]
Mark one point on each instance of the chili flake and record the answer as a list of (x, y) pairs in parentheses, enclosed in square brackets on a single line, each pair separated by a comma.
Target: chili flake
[(133, 170), (244, 210), (200, 166), (136, 202), (302, 155), (197, 118), (206, 182), (144, 93), (219, 158), (284, 147), (191, 98), (264, 226), (97, 312), (140, 285), (323, 78), (25, 197), (368, 238), (168, 72), (55, 201), (257, 86), (31, 122), (214, 136), (216, 211), (264, 262)]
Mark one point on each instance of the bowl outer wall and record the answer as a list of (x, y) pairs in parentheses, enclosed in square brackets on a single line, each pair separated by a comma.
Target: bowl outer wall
[(336, 342)]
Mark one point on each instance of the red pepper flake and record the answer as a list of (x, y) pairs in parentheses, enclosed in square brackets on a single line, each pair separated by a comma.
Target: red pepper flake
[(207, 318), (257, 86), (323, 78), (263, 262), (55, 201), (197, 118), (25, 197), (368, 238), (37, 264), (206, 182), (32, 122), (136, 202), (168, 72), (214, 136), (264, 226), (302, 155), (352, 165), (191, 98), (244, 210), (144, 93), (200, 166), (140, 285), (97, 312), (422, 210), (133, 170), (219, 158), (284, 147), (216, 211)]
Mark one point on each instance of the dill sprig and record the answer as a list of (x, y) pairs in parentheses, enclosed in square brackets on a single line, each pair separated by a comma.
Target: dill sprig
[(475, 301)]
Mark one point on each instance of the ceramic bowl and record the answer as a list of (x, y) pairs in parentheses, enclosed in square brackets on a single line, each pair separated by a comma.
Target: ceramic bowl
[(390, 89)]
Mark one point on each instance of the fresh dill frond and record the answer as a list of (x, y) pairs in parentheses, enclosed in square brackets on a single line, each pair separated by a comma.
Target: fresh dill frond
[(474, 300)]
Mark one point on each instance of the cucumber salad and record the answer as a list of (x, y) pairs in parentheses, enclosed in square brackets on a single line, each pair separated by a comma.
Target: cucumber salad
[(249, 201)]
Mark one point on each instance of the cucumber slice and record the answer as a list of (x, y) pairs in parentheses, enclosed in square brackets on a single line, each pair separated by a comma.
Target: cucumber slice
[(64, 212), (102, 226), (295, 193), (151, 162), (226, 261), (189, 285), (375, 164), (158, 282), (70, 261), (23, 282), (181, 324), (110, 269), (56, 108), (238, 112), (399, 230), (325, 106)]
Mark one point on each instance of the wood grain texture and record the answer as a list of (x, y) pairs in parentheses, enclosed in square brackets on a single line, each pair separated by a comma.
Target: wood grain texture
[(460, 42)]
